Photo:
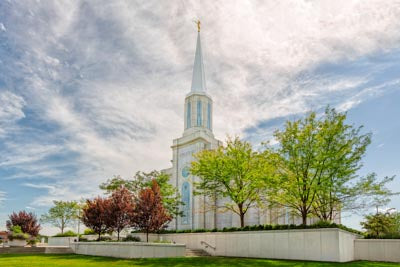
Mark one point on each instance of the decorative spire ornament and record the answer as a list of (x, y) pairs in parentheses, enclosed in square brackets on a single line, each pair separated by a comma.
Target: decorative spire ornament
[(198, 80)]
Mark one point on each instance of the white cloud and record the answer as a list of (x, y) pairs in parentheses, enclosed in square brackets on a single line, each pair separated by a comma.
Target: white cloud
[(11, 110), (2, 27), (112, 76)]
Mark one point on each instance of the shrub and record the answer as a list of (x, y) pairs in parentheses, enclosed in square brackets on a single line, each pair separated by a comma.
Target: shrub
[(267, 227), (66, 234), (131, 238), (32, 242), (104, 238), (89, 232), (17, 234), (386, 236)]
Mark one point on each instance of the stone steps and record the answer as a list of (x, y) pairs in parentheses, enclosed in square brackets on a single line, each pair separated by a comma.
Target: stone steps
[(196, 253), (35, 250), (22, 250)]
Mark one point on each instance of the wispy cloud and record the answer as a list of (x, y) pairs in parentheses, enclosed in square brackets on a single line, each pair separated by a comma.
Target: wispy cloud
[(89, 90)]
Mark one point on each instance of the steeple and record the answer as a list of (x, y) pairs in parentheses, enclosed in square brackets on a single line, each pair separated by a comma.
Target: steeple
[(198, 80)]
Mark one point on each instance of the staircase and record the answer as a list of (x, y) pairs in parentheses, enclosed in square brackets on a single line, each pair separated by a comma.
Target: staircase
[(196, 253), (22, 250), (35, 250)]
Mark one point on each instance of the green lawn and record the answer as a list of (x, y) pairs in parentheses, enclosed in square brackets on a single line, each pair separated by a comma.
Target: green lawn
[(70, 260)]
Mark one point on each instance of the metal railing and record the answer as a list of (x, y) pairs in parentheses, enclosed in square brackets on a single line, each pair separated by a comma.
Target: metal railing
[(207, 245)]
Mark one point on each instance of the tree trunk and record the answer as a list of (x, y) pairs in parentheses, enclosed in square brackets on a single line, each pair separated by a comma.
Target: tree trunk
[(62, 226), (99, 235), (241, 214), (118, 234), (147, 236), (304, 217)]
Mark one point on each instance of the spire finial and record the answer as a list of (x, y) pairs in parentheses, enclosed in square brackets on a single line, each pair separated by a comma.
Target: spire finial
[(198, 80), (198, 25)]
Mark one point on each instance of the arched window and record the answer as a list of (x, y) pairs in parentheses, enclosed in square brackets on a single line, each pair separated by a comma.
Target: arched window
[(209, 116), (199, 113), (186, 203), (188, 115)]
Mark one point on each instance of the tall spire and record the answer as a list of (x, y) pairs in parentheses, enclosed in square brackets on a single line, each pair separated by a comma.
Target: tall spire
[(198, 80)]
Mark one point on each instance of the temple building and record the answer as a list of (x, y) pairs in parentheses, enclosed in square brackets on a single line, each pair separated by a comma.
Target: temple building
[(198, 135)]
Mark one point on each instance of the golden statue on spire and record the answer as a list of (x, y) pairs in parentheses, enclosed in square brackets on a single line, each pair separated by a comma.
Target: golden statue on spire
[(198, 25)]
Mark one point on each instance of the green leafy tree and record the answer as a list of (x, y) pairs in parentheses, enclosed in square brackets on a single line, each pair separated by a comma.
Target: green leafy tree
[(318, 164), (379, 224), (62, 214), (396, 220), (141, 180), (234, 172)]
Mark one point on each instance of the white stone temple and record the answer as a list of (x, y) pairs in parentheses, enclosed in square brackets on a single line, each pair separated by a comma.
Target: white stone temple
[(198, 135)]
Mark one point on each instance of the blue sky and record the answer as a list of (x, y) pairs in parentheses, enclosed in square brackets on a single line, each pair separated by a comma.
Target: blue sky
[(89, 90)]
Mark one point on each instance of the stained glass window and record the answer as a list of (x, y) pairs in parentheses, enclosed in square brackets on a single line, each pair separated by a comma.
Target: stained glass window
[(199, 113), (188, 115), (209, 116), (186, 203)]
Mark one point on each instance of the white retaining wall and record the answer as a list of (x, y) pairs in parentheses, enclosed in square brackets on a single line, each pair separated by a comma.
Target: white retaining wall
[(61, 241), (129, 249), (329, 244), (377, 249)]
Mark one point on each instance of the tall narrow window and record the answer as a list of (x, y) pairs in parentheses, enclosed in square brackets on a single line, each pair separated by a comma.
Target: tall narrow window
[(209, 116), (186, 208), (199, 114), (188, 115)]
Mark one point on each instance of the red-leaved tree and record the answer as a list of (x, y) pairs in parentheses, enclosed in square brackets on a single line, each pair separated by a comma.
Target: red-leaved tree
[(121, 209), (95, 215), (27, 221), (149, 213)]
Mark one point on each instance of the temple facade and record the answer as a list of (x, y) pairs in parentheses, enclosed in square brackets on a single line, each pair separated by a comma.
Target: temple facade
[(198, 211)]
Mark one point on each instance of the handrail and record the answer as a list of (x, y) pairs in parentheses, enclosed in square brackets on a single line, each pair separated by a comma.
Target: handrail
[(207, 245)]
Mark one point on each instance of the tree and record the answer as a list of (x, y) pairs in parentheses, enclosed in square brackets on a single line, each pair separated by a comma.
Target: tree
[(318, 164), (396, 220), (170, 195), (27, 221), (234, 171), (95, 215), (121, 209), (379, 224), (149, 212), (62, 214)]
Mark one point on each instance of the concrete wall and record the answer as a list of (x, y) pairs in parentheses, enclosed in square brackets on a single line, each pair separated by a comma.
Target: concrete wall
[(306, 244), (129, 249), (61, 241), (377, 249)]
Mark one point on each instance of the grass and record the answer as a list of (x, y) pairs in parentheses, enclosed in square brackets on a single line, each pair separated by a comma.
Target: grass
[(70, 260)]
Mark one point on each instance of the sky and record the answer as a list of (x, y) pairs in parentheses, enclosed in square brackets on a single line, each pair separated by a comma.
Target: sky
[(93, 89)]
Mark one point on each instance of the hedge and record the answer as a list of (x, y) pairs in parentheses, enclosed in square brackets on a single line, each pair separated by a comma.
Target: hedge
[(264, 227)]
